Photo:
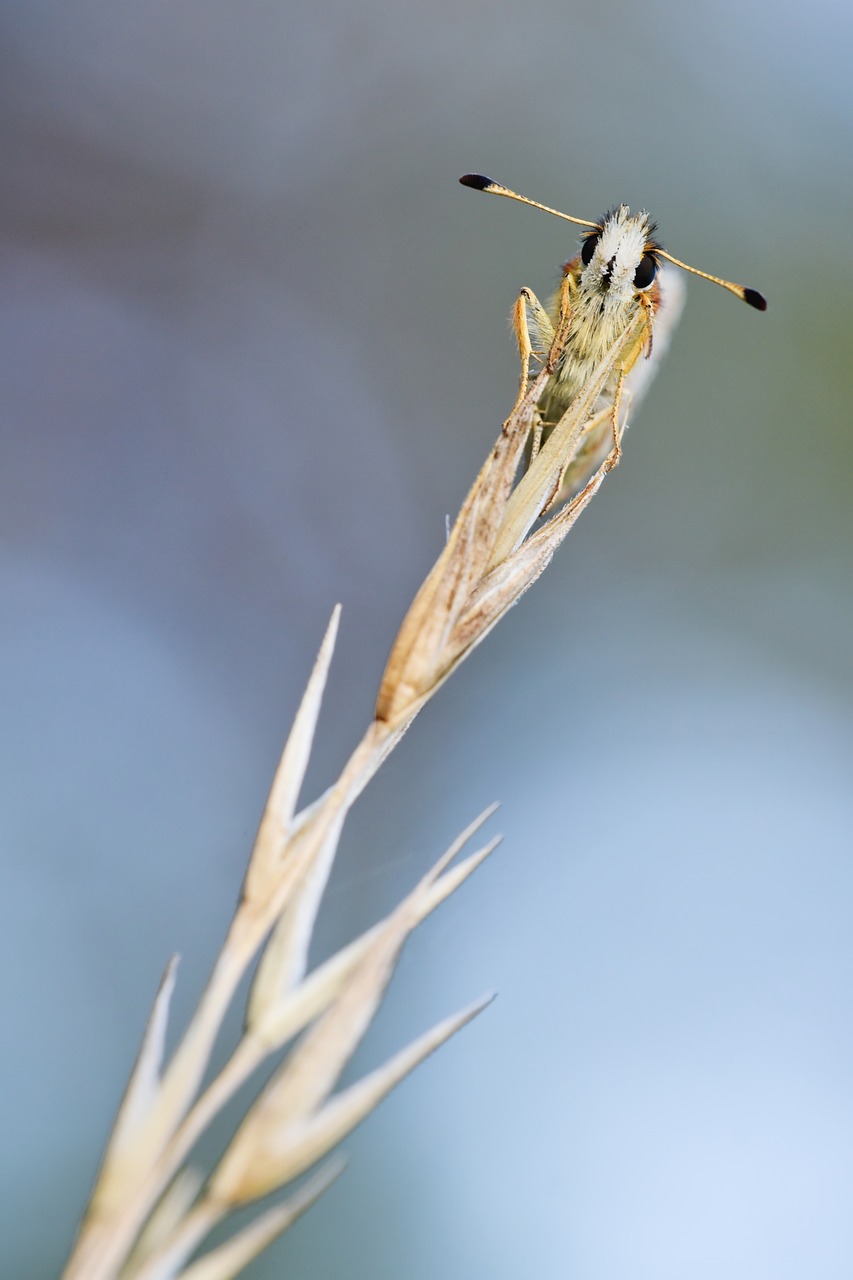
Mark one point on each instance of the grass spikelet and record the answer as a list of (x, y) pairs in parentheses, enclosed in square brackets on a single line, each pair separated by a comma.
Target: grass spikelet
[(147, 1214)]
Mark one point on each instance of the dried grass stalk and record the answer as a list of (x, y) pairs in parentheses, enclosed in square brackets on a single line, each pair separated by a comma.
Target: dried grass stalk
[(147, 1213)]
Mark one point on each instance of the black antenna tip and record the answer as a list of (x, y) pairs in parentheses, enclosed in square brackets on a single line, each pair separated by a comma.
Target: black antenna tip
[(755, 299), (478, 181)]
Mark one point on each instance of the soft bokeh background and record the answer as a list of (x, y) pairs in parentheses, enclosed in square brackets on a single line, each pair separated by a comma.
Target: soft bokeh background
[(254, 346)]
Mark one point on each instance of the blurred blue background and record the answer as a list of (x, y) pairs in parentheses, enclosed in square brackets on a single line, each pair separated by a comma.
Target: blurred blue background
[(254, 347)]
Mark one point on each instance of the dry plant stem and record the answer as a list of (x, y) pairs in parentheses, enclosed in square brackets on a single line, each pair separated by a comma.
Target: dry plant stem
[(198, 1223), (106, 1242), (173, 1207), (229, 1258), (316, 994), (256, 915), (489, 560)]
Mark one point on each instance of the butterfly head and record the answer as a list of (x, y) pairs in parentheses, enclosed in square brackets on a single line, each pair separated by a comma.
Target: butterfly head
[(620, 256)]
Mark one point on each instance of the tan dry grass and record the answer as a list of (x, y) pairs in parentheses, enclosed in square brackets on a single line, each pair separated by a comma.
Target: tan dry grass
[(148, 1212)]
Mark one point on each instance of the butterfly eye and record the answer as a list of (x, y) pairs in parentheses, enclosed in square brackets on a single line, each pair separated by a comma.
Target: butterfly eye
[(588, 248), (646, 272)]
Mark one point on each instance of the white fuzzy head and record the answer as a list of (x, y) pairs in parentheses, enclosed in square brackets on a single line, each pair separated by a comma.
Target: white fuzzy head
[(613, 255)]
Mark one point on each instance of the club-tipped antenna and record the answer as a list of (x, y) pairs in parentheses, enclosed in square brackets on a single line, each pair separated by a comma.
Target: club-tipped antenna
[(480, 182), (750, 296)]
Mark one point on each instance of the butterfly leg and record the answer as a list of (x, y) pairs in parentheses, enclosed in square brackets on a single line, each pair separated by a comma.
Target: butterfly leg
[(534, 334), (615, 454), (560, 335)]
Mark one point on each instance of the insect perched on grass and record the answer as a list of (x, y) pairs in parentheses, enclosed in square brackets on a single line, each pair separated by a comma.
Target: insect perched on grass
[(616, 286)]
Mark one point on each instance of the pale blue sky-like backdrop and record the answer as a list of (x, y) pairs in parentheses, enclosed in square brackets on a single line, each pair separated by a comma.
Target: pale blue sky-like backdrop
[(253, 348)]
